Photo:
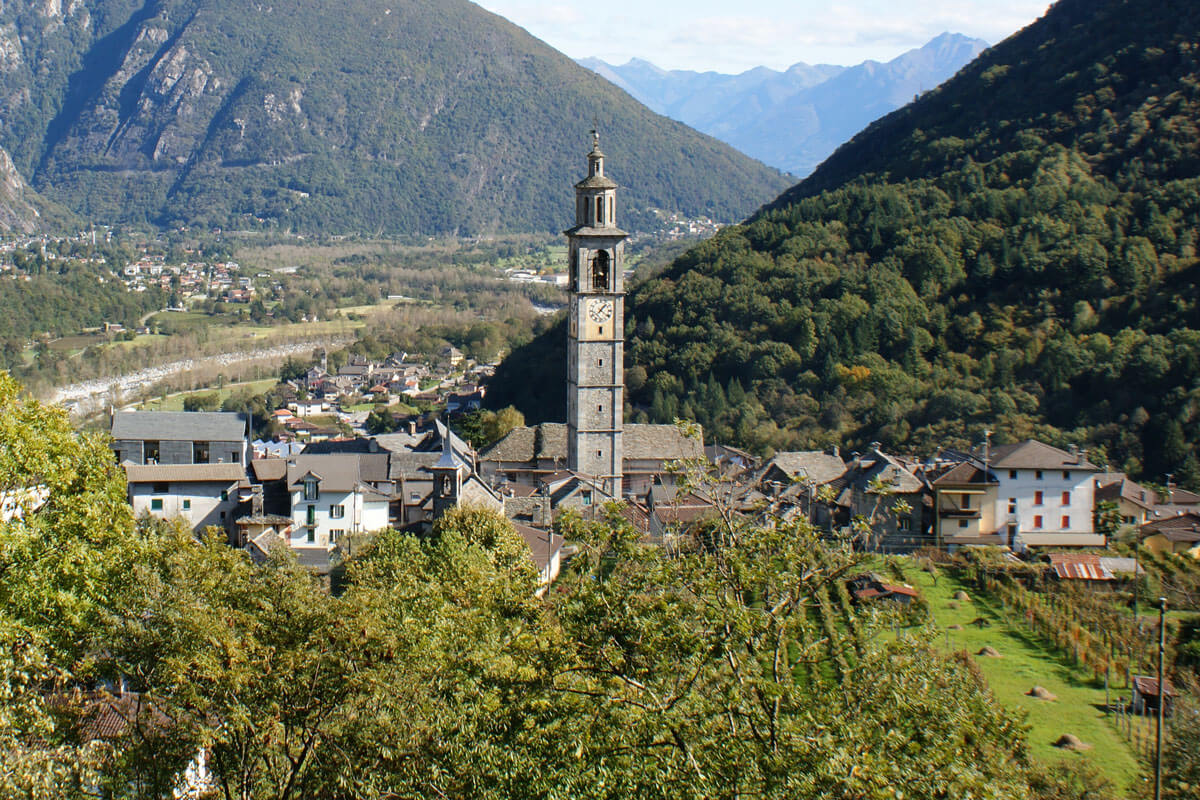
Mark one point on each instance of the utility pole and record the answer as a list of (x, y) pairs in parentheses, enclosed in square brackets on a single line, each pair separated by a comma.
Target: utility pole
[(1162, 697)]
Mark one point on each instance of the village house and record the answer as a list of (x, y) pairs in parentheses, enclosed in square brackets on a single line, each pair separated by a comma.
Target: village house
[(965, 497), (1176, 534), (1045, 496), (878, 488), (180, 437), (202, 495), (330, 498), (1135, 503)]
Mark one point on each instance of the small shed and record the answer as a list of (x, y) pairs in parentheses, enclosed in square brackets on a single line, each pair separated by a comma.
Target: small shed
[(1146, 695)]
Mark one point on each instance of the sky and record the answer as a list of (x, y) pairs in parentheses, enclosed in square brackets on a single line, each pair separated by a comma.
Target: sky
[(735, 35)]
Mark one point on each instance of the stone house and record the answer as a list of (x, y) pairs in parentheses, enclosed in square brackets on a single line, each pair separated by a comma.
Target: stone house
[(180, 437)]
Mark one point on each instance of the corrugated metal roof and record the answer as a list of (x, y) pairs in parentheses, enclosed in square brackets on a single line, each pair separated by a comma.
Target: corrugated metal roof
[(1073, 570)]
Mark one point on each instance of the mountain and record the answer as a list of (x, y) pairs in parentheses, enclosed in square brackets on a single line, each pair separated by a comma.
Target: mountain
[(18, 203), (792, 119), (408, 116), (1015, 251)]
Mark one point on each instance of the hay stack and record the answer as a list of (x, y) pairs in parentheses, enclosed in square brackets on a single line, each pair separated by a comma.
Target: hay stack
[(1041, 693), (962, 596), (1070, 742), (990, 652)]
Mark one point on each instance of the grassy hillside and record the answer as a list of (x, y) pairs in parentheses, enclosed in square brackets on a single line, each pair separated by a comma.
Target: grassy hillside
[(1015, 251), (360, 116)]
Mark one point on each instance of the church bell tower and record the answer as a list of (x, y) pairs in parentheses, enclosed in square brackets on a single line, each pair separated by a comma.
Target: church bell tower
[(596, 330)]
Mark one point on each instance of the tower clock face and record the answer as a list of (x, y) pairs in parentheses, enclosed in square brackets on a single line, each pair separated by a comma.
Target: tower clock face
[(600, 310)]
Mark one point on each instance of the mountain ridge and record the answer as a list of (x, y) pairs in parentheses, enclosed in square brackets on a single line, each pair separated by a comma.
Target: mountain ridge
[(821, 105), (421, 117)]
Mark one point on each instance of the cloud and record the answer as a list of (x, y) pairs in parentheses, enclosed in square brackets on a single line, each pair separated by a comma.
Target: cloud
[(705, 34)]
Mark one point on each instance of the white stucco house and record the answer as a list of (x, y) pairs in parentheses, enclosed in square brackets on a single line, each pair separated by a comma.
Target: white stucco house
[(200, 494), (1044, 496), (330, 499)]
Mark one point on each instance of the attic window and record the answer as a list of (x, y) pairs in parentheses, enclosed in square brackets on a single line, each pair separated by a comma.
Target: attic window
[(311, 490)]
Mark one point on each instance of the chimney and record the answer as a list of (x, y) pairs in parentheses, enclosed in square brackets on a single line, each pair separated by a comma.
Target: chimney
[(832, 450)]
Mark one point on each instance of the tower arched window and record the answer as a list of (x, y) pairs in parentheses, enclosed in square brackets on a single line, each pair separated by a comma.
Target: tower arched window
[(599, 210), (612, 209), (600, 271)]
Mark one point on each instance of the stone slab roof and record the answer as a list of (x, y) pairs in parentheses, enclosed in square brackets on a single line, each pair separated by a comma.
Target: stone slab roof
[(548, 441), (1032, 454), (812, 465), (1125, 489), (412, 465), (179, 426), (184, 473)]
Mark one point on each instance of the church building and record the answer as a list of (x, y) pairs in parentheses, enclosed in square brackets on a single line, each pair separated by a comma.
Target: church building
[(595, 443)]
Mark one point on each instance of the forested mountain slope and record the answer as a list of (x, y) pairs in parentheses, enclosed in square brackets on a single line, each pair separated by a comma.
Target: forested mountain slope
[(404, 116), (1015, 251)]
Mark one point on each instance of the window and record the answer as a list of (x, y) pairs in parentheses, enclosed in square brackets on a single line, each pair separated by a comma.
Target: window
[(1037, 498), (312, 534), (337, 512), (1012, 474), (151, 452), (1037, 522), (1066, 474), (224, 495), (600, 407), (966, 501), (336, 534), (162, 488), (222, 516), (962, 523), (311, 490), (1066, 498), (1012, 505), (187, 505), (1038, 474), (599, 454), (600, 210), (156, 504), (600, 362), (612, 211), (1066, 523), (310, 518), (414, 497), (904, 523), (600, 271), (587, 498), (200, 453)]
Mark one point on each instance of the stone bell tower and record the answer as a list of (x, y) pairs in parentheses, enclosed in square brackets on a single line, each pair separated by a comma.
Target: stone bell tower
[(596, 330)]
